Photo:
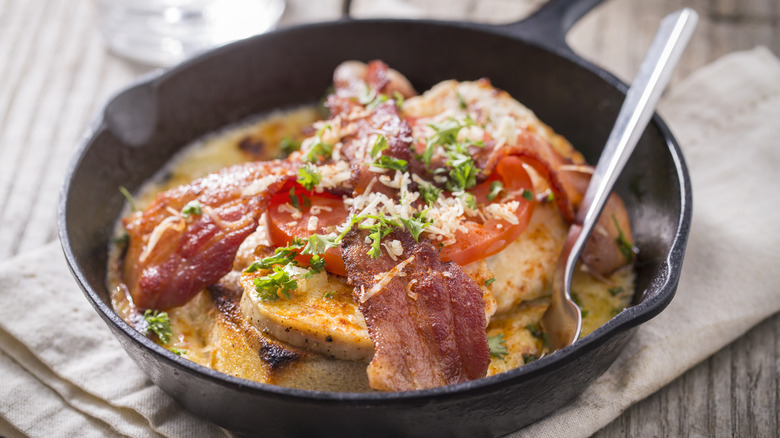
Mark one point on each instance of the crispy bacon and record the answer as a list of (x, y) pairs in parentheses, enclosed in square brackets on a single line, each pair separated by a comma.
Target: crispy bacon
[(170, 258), (602, 254), (425, 317)]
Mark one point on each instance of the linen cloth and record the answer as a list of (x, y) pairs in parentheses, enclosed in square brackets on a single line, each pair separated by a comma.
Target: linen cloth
[(64, 374)]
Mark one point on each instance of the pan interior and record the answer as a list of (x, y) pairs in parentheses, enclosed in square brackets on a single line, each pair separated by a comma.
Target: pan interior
[(145, 125)]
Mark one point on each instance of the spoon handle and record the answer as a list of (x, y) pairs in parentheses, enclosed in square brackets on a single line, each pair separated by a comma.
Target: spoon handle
[(673, 34)]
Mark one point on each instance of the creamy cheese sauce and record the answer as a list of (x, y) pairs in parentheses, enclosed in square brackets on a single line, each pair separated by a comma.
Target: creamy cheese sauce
[(236, 342)]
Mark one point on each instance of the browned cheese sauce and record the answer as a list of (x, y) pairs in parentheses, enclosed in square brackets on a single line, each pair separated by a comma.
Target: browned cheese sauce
[(235, 333)]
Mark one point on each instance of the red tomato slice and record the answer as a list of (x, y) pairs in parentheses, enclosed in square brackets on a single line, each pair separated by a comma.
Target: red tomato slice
[(486, 239), (481, 239), (283, 227)]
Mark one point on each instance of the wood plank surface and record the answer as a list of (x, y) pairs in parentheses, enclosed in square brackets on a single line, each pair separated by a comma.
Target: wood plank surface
[(55, 73)]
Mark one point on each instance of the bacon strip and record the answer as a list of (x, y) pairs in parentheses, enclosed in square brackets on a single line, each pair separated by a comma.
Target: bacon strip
[(426, 319), (170, 258), (602, 253)]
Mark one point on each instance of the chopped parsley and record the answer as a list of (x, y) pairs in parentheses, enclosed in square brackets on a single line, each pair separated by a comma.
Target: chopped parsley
[(387, 162), (298, 202), (429, 193), (288, 146), (280, 281), (399, 98), (497, 346), (463, 171), (379, 145), (329, 295), (381, 228), (308, 176), (615, 291), (158, 323), (126, 193), (461, 101), (528, 358), (318, 244), (122, 239), (626, 248), (496, 190), (469, 200), (416, 224), (528, 195), (177, 351), (319, 150), (193, 208), (535, 330), (490, 281), (445, 133)]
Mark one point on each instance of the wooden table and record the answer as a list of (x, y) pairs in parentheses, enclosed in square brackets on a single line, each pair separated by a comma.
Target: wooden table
[(55, 73)]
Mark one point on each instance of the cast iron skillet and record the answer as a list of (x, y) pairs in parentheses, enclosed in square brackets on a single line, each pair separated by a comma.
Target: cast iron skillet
[(143, 126)]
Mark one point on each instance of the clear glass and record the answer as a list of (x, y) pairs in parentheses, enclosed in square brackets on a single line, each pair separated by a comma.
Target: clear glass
[(164, 32)]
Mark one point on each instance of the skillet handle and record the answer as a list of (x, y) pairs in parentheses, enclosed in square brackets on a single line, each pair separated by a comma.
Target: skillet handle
[(549, 25)]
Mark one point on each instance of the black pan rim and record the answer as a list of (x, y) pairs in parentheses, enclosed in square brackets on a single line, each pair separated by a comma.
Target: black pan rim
[(664, 282)]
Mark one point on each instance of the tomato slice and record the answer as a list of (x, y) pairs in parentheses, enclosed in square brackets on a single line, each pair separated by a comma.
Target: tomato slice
[(485, 239), (283, 226), (479, 241)]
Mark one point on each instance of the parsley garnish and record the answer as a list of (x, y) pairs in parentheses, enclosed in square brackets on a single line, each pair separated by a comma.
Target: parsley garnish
[(319, 150), (277, 282), (380, 229), (316, 265), (308, 176), (177, 351), (490, 281), (126, 193), (535, 330), (625, 247), (318, 244), (584, 312), (329, 295), (288, 146), (387, 162), (379, 145), (429, 193), (528, 358), (496, 190), (497, 345), (446, 133), (298, 202), (416, 224), (122, 239), (528, 195), (193, 208), (399, 98), (461, 101), (469, 200), (614, 291), (160, 324), (463, 171)]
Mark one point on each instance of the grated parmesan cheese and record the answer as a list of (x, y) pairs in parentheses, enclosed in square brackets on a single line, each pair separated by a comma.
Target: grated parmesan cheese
[(505, 211), (382, 279)]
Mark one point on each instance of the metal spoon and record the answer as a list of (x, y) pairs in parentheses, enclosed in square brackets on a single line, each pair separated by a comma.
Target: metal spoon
[(562, 321)]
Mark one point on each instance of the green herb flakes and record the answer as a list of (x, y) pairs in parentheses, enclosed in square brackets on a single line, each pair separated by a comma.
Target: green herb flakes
[(496, 190), (126, 193), (158, 323), (308, 176), (497, 346), (626, 248), (193, 208)]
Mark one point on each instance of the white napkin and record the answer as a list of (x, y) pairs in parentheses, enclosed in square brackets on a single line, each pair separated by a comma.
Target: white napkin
[(63, 373)]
